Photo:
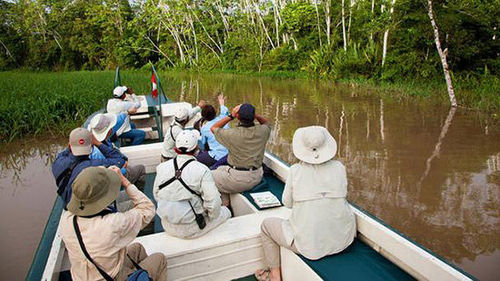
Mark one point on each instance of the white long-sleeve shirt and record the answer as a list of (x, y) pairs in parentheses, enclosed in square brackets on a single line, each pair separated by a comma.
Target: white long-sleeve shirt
[(106, 237), (167, 149), (173, 207), (322, 222)]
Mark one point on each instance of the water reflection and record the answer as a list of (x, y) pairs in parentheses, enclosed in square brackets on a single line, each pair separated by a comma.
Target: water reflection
[(15, 156), (426, 170)]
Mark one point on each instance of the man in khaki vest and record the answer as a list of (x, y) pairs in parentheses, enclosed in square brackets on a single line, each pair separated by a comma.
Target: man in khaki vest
[(246, 145)]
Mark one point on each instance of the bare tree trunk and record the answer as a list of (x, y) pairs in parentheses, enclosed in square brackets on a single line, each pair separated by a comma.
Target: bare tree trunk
[(350, 20), (442, 55), (328, 19), (386, 35), (257, 11), (343, 26), (317, 21), (373, 14)]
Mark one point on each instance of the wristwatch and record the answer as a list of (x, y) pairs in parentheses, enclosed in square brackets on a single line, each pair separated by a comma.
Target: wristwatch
[(231, 116)]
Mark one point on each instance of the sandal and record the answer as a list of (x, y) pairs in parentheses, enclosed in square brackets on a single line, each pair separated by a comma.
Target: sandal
[(263, 274)]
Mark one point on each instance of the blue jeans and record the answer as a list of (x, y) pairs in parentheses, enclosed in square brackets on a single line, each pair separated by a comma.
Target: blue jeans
[(137, 136)]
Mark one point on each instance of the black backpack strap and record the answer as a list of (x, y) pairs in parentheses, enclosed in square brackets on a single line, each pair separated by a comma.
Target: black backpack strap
[(137, 266), (171, 133), (84, 250), (178, 173)]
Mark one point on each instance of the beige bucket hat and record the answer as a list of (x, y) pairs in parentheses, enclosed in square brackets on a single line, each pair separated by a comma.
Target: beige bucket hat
[(101, 124), (93, 190), (314, 145)]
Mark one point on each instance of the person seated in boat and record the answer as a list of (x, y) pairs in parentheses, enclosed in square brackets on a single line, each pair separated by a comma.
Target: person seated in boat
[(98, 238), (123, 108), (322, 222), (189, 204), (70, 162), (215, 154), (102, 127), (246, 144), (181, 118)]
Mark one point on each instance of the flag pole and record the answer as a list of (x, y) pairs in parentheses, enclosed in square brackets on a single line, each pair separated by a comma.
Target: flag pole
[(158, 102)]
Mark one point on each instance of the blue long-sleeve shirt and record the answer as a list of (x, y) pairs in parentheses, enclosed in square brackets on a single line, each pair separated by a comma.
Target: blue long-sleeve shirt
[(97, 154), (216, 150), (66, 159)]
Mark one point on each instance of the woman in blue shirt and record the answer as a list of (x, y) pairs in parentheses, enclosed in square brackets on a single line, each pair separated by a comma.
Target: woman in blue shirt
[(213, 153)]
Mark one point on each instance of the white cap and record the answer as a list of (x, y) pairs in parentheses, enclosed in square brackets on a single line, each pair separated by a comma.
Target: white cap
[(181, 114), (101, 124), (119, 91), (187, 139)]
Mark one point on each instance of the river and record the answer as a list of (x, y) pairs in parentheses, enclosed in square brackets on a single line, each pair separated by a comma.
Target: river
[(430, 172)]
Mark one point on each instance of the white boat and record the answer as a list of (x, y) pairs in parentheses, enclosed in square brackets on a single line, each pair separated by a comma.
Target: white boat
[(233, 250)]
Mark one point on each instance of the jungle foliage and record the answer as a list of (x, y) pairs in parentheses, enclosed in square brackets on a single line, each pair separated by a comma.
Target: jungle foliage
[(333, 39)]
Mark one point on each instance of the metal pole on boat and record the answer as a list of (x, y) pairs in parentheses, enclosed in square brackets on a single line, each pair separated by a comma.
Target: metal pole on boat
[(118, 80), (159, 119)]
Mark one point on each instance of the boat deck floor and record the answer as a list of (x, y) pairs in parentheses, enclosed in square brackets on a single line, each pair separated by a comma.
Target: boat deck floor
[(358, 262)]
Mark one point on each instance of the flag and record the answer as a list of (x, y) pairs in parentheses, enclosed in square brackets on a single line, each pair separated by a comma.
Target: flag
[(154, 88)]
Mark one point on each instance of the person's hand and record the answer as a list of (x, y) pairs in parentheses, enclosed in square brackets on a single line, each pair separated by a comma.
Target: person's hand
[(202, 103), (235, 111), (124, 181), (132, 110), (125, 165), (116, 170), (94, 140), (221, 99)]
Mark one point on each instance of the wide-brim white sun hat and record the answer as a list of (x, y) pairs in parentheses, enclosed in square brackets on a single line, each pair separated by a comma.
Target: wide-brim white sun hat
[(101, 124), (187, 139), (119, 91), (314, 145)]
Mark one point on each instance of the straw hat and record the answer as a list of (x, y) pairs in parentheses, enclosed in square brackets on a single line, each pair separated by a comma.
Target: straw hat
[(314, 145), (187, 139), (101, 124), (94, 189)]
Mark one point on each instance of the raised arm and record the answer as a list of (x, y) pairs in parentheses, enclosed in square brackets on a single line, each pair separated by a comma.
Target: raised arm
[(261, 119)]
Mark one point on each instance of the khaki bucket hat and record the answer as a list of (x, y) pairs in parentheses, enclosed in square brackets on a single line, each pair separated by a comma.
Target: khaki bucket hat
[(94, 189), (314, 145), (101, 124)]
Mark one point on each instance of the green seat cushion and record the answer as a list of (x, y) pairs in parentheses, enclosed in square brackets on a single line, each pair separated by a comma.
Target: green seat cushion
[(268, 183), (357, 262)]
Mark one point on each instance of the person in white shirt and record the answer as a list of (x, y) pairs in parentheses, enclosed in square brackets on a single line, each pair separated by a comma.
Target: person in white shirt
[(182, 117), (118, 105), (189, 203), (322, 222)]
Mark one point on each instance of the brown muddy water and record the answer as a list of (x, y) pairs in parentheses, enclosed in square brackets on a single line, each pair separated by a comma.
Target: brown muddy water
[(431, 173)]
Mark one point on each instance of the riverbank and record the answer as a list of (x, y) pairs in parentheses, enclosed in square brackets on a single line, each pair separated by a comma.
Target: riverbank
[(55, 102)]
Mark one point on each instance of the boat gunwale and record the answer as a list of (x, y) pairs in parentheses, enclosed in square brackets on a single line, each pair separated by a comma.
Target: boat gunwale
[(449, 267)]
